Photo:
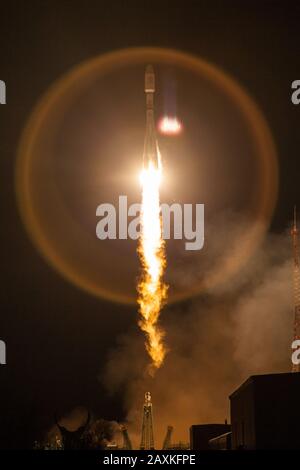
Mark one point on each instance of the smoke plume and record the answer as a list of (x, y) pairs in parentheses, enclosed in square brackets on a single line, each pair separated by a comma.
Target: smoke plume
[(215, 342)]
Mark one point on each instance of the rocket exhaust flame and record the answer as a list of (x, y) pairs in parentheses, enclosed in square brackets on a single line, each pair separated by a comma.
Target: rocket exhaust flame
[(152, 291)]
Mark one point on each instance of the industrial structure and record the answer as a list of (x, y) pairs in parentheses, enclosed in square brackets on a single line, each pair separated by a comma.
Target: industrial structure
[(147, 438), (126, 439), (265, 412), (167, 440), (295, 241), (222, 442), (201, 434), (71, 440)]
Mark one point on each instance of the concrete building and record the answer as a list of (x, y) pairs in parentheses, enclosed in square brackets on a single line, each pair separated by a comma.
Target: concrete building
[(201, 434), (265, 412)]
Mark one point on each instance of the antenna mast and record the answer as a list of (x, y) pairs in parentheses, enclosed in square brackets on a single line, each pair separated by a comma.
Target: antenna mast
[(295, 241)]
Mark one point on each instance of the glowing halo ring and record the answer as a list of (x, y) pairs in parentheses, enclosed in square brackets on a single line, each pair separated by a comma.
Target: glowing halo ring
[(72, 81)]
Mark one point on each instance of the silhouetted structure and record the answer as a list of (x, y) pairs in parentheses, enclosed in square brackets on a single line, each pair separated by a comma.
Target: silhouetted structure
[(167, 439), (100, 434), (147, 438), (265, 412), (200, 434), (126, 439), (72, 440), (295, 240), (222, 442)]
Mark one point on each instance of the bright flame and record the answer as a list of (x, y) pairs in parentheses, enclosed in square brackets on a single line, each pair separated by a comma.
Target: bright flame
[(170, 126), (151, 288)]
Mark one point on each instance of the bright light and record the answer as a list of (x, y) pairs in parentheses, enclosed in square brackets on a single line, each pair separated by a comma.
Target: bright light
[(170, 126), (151, 288)]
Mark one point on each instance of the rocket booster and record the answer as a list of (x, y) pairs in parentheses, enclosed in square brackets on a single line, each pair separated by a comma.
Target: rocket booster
[(151, 150)]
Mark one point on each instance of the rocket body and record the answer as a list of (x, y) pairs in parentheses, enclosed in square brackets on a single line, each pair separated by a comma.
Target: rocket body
[(151, 150)]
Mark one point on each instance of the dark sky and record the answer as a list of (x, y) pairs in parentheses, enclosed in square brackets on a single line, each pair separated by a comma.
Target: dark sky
[(57, 336)]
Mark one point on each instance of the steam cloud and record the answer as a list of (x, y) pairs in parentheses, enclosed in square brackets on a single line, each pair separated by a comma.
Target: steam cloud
[(215, 343)]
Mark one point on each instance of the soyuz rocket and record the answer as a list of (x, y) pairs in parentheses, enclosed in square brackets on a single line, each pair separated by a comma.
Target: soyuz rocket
[(151, 150)]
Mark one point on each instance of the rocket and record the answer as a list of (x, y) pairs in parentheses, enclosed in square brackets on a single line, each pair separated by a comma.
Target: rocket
[(151, 150)]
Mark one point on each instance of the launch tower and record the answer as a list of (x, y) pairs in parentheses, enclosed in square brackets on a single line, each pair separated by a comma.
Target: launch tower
[(147, 438)]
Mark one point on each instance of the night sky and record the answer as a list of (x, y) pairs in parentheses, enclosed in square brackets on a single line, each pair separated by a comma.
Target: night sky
[(58, 336)]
